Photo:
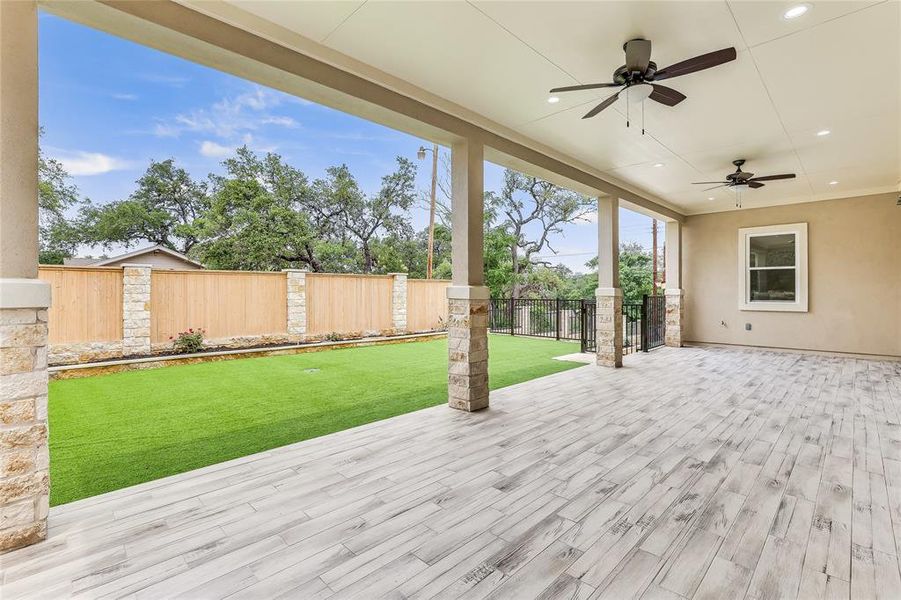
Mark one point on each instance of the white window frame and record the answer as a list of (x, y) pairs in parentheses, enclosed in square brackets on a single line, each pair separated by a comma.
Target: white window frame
[(744, 272)]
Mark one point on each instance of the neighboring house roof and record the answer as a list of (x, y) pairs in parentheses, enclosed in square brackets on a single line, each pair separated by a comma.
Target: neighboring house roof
[(134, 256)]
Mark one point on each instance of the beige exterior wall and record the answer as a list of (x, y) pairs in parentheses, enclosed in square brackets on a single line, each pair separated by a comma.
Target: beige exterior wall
[(854, 266), (157, 260)]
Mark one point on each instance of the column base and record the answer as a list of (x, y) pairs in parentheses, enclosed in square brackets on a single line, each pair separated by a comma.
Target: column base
[(675, 317), (467, 346), (24, 453), (609, 327)]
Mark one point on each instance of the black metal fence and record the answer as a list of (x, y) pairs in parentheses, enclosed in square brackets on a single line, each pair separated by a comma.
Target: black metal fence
[(643, 323)]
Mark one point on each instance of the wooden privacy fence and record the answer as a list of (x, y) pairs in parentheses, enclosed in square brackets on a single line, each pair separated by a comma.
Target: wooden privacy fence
[(426, 304), (348, 303), (87, 303), (94, 309), (224, 303)]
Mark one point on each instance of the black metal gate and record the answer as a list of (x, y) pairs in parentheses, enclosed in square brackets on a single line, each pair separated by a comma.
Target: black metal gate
[(643, 323)]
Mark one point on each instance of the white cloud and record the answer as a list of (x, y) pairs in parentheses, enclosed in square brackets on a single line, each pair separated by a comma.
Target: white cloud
[(281, 121), (170, 80), (127, 97), (80, 163), (214, 150)]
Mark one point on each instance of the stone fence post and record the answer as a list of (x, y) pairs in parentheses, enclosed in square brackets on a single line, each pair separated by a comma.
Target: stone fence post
[(399, 302), (135, 309), (297, 304)]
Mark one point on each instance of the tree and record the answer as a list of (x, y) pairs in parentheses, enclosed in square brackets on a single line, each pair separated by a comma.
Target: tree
[(365, 218), (532, 210), (257, 220), (634, 274), (165, 210), (59, 236)]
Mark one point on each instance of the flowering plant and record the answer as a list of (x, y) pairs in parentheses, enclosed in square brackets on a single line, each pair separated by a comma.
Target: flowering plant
[(188, 341)]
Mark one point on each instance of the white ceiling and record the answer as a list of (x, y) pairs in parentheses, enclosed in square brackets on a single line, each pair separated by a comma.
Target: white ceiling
[(838, 67)]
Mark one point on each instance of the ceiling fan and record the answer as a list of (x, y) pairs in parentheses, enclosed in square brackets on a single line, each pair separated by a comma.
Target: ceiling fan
[(639, 75), (740, 181)]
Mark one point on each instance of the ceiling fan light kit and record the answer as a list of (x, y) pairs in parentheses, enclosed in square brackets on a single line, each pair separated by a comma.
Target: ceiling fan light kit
[(741, 181), (639, 75)]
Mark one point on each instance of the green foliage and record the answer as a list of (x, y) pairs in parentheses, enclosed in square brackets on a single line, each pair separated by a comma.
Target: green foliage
[(59, 236), (188, 342), (165, 209)]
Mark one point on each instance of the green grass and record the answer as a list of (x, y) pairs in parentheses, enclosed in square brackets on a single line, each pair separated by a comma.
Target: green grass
[(114, 431)]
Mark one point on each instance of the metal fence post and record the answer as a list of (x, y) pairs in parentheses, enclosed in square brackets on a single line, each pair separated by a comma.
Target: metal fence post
[(582, 318), (512, 314), (644, 323), (558, 318)]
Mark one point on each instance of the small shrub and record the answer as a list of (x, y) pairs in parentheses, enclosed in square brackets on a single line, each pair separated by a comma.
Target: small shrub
[(188, 341), (334, 337)]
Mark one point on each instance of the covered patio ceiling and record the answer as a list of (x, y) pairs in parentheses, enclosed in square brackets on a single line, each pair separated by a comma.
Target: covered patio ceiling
[(836, 68)]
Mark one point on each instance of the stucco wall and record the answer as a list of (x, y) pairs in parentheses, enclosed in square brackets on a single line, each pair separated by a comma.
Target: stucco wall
[(158, 260), (854, 265)]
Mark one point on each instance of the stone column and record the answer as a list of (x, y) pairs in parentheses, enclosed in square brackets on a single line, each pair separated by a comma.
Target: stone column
[(24, 457), (467, 331), (399, 302), (675, 297), (297, 304), (135, 309), (609, 313)]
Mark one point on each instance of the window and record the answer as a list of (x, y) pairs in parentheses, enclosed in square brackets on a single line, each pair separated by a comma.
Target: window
[(773, 268)]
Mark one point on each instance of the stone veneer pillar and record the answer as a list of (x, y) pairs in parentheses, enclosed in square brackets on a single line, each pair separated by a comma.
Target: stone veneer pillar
[(24, 455), (609, 329), (297, 304), (467, 346), (135, 309), (399, 302), (675, 315)]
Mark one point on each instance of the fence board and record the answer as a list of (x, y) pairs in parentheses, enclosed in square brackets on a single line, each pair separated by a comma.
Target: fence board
[(86, 303), (426, 304), (224, 303), (348, 303)]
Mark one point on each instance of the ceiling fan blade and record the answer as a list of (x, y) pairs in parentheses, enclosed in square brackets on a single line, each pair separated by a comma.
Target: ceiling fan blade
[(706, 182), (588, 86), (698, 63), (601, 106), (638, 55), (665, 95), (774, 177), (755, 184), (715, 187)]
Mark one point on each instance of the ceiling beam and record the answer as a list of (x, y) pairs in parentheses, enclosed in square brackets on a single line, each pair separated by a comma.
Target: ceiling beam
[(177, 29)]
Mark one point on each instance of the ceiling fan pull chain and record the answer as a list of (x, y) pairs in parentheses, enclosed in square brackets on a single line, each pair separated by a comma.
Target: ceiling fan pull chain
[(642, 118), (627, 107)]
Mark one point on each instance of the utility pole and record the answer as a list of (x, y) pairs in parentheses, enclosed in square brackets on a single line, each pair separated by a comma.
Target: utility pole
[(654, 261), (421, 155)]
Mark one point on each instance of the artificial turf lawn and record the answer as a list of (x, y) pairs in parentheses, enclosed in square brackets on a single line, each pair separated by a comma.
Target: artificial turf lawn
[(113, 431)]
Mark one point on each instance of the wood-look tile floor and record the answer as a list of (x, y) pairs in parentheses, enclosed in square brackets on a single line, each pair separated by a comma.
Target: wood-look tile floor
[(690, 473)]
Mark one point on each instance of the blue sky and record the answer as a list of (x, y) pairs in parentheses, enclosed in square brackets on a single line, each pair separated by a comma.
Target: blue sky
[(108, 106)]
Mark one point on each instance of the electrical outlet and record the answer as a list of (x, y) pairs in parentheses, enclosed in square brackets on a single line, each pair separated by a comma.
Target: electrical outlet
[(747, 327)]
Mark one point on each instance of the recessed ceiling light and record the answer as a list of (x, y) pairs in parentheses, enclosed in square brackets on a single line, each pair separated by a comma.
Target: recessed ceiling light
[(711, 198), (795, 11), (823, 132), (658, 165), (833, 183), (553, 100)]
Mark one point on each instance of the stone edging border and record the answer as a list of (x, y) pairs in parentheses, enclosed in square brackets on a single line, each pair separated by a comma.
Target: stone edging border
[(154, 362)]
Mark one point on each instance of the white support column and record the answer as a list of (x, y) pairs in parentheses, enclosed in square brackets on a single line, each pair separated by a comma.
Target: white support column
[(399, 302), (609, 315), (24, 299), (135, 309), (675, 297), (467, 332), (297, 304)]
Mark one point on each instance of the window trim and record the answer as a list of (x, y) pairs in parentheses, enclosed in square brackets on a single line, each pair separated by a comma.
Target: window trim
[(744, 272)]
